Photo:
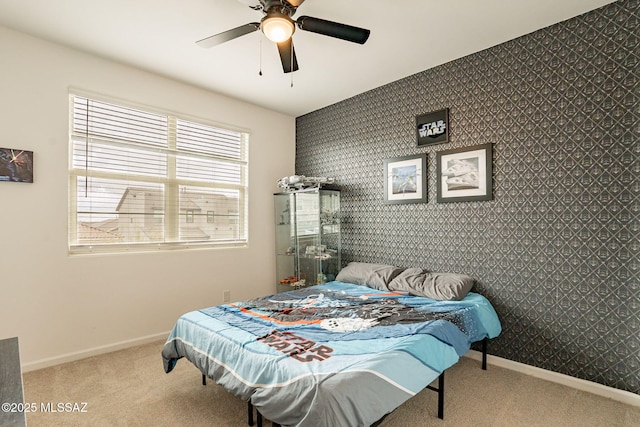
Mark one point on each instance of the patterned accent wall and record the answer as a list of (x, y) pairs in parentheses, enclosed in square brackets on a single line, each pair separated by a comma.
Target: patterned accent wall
[(557, 250)]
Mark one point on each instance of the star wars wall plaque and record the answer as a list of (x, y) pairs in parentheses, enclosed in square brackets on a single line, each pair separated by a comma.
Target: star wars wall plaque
[(433, 128)]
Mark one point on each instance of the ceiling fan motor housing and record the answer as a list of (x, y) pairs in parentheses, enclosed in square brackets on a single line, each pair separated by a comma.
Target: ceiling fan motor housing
[(279, 7)]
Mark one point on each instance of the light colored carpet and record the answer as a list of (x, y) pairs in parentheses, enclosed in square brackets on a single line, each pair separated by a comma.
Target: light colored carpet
[(130, 388)]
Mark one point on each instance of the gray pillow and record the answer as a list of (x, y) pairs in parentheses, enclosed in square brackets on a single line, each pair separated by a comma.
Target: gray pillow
[(438, 286), (376, 276)]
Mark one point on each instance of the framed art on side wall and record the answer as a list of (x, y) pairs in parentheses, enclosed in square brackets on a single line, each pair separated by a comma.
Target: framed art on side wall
[(465, 174), (405, 179), (16, 165)]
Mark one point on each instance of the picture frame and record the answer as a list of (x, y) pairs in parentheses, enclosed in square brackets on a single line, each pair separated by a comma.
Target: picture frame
[(16, 165), (465, 174), (432, 128), (405, 179)]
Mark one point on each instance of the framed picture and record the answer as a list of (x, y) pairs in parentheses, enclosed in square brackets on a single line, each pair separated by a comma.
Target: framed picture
[(433, 128), (405, 179), (465, 174), (16, 165)]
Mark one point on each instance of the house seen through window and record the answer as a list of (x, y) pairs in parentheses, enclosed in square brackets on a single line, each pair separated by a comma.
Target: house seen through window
[(147, 179)]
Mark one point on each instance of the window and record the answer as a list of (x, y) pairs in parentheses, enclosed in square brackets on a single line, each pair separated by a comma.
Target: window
[(146, 179)]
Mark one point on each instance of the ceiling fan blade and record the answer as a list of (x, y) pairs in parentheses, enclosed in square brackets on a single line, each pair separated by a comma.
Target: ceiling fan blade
[(228, 35), (333, 29), (288, 56)]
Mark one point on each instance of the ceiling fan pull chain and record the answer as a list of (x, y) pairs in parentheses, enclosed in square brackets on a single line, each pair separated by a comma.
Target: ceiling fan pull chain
[(260, 72), (291, 63)]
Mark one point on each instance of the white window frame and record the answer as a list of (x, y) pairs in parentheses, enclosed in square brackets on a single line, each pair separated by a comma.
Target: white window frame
[(171, 183)]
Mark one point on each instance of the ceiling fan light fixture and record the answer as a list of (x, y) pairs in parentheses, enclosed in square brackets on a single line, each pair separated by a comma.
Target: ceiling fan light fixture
[(277, 27)]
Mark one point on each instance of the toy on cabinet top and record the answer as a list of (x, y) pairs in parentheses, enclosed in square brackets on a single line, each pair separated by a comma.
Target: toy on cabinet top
[(299, 182)]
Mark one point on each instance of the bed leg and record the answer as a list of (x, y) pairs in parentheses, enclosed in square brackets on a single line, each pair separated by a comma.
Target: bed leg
[(204, 380), (249, 413), (441, 396), (484, 354), (440, 391), (259, 416)]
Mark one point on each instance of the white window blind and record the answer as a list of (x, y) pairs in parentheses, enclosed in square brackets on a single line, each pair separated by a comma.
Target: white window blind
[(145, 179)]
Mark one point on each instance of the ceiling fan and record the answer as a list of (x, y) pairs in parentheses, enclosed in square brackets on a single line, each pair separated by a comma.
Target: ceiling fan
[(278, 25)]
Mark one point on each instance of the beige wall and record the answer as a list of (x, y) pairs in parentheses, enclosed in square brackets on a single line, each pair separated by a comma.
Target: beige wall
[(64, 307)]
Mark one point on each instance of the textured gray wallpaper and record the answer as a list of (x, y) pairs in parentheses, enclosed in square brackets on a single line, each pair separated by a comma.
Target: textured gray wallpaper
[(557, 250)]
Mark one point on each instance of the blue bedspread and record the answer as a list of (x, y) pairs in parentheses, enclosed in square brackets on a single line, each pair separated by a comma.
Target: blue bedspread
[(331, 355)]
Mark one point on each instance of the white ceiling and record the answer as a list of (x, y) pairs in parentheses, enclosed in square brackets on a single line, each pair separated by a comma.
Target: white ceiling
[(407, 36)]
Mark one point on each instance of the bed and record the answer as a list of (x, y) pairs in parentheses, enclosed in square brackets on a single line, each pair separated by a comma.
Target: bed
[(343, 353)]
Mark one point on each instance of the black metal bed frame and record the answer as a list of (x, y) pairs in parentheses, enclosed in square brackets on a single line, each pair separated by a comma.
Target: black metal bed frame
[(439, 389)]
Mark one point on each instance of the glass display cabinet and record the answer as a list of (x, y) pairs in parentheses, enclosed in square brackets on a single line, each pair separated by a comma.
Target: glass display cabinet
[(307, 237)]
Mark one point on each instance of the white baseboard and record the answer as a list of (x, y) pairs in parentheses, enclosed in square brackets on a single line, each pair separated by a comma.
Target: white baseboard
[(577, 383), (95, 351)]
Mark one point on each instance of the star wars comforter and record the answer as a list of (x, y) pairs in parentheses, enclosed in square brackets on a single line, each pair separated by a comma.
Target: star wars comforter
[(335, 354)]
